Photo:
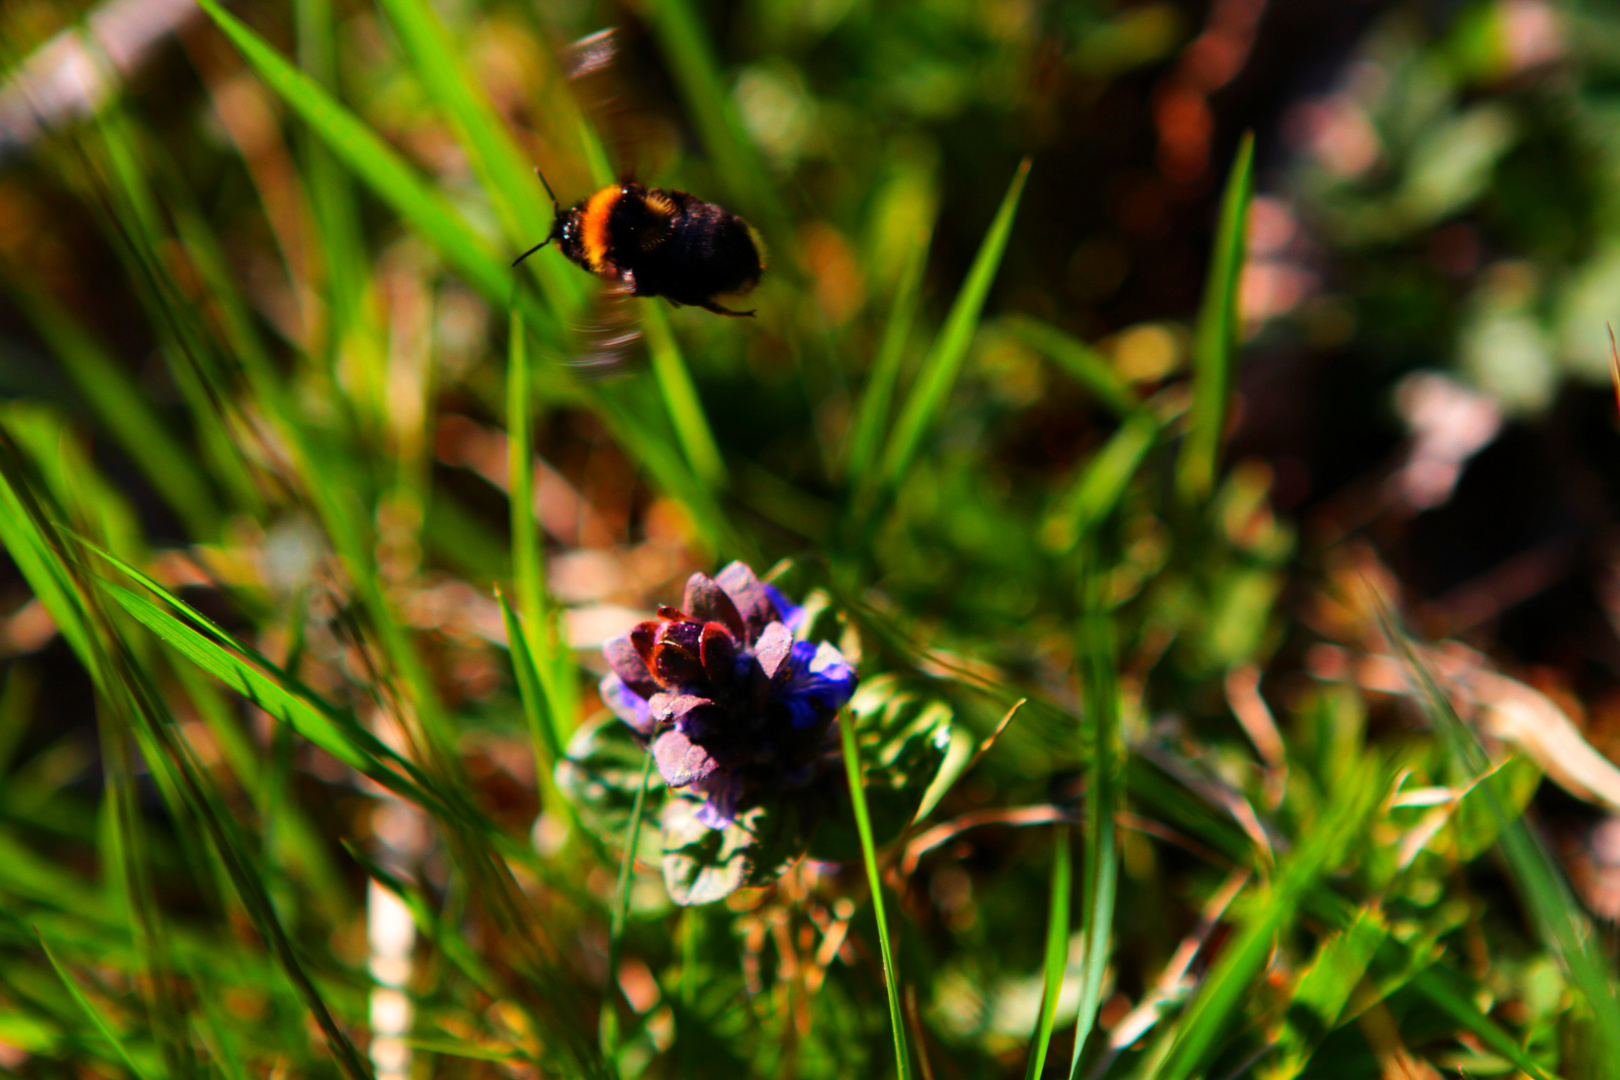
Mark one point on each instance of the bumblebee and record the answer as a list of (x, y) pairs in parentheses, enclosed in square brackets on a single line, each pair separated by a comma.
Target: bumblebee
[(658, 242)]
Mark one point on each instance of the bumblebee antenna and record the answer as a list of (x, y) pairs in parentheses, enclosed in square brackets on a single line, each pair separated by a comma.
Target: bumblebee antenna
[(556, 210), (531, 251), (547, 186)]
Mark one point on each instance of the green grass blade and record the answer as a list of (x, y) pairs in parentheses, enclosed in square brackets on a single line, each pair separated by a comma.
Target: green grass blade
[(514, 191), (427, 211), (1080, 361), (1457, 1005), (528, 556), (1102, 482), (542, 734), (872, 411), (1216, 344), (338, 735), (621, 912), (1105, 792), (1057, 952), (681, 399), (1185, 1051), (863, 824), (123, 408), (89, 1008), (950, 348), (1564, 927)]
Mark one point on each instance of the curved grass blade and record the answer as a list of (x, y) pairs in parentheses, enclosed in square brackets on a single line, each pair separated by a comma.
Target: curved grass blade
[(1084, 364), (1215, 347), (1185, 1050), (681, 399), (375, 162), (494, 155), (863, 824), (89, 1008), (1057, 952), (945, 358), (1563, 926), (872, 412), (1102, 482)]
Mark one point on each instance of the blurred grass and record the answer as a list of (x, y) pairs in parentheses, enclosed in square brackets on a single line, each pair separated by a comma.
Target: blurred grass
[(265, 503)]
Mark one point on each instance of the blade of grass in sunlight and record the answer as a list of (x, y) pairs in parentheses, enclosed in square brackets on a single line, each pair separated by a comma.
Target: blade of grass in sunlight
[(514, 191), (261, 682), (125, 686), (1215, 344), (553, 665), (1102, 481), (542, 735), (90, 1010), (872, 411), (1564, 927), (863, 825), (375, 162), (1105, 791), (950, 348), (1185, 1049), (1057, 952), (1084, 364), (681, 399)]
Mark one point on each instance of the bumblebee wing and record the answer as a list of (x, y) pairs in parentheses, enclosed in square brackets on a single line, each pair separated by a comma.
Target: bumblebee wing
[(610, 337), (629, 135)]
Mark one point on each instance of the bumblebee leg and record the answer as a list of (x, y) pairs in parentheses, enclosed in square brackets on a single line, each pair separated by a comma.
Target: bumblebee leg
[(710, 305)]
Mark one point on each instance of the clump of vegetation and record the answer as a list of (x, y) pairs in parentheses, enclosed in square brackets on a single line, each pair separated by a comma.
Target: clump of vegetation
[(342, 732)]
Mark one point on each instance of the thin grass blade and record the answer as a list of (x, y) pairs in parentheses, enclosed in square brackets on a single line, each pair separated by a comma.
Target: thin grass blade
[(90, 1010), (950, 348), (1102, 482), (863, 825), (1563, 926), (1105, 793), (1185, 1050), (426, 211), (1215, 348), (494, 155), (1057, 952), (872, 411), (681, 399), (1080, 361)]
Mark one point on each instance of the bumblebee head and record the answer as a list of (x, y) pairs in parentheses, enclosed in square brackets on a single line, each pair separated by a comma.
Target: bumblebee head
[(559, 221)]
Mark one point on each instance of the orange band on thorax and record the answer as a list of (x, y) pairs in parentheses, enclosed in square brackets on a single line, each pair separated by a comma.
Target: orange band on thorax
[(593, 227)]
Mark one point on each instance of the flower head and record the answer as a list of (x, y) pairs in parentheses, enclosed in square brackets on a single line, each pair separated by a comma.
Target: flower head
[(725, 699)]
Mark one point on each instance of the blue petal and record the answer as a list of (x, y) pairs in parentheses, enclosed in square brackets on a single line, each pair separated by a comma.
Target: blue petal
[(789, 612), (822, 682), (626, 704), (719, 809)]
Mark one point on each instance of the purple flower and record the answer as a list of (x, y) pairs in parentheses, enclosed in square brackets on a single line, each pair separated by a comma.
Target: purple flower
[(727, 702)]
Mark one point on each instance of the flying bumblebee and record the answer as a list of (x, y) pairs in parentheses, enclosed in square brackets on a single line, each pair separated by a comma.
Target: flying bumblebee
[(645, 241), (658, 242)]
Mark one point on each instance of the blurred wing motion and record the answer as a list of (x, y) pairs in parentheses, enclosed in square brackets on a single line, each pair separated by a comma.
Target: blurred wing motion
[(610, 335), (630, 136)]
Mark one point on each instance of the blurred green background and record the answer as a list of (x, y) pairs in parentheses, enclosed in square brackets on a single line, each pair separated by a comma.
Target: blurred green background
[(1039, 404)]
